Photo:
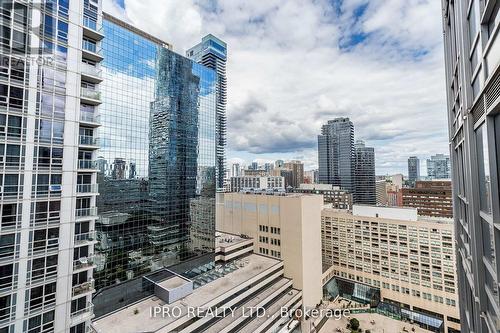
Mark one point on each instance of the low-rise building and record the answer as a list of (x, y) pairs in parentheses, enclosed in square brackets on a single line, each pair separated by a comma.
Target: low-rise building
[(396, 258), (256, 182), (431, 198), (332, 195)]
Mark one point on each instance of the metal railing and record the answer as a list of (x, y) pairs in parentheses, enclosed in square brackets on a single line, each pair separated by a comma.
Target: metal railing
[(91, 47), (83, 262), (88, 309), (90, 93), (86, 237), (91, 70), (84, 212), (87, 188), (88, 140), (89, 117), (83, 288), (87, 164)]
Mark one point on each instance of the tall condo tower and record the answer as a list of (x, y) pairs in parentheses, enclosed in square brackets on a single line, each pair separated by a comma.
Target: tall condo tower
[(49, 106), (364, 180), (413, 169), (472, 55), (212, 53)]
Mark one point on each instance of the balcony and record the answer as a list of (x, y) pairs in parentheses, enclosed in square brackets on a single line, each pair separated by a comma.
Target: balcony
[(87, 189), (92, 29), (90, 96), (91, 51), (89, 117), (83, 263), (91, 73), (89, 141), (83, 314), (87, 165), (83, 288), (86, 212), (85, 238)]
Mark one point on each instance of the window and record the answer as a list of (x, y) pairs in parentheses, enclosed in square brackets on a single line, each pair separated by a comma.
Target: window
[(474, 20), (484, 169)]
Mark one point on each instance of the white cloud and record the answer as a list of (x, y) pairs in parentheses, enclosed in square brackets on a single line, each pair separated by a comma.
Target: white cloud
[(287, 74)]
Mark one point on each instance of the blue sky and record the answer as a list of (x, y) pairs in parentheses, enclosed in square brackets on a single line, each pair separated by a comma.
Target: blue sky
[(295, 64)]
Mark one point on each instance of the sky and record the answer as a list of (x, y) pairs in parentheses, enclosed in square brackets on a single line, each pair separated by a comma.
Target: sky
[(295, 64)]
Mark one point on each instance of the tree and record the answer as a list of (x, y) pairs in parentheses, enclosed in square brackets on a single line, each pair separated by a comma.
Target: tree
[(354, 324)]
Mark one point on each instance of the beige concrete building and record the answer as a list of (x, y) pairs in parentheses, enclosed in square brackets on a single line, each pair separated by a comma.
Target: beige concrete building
[(284, 227), (409, 259)]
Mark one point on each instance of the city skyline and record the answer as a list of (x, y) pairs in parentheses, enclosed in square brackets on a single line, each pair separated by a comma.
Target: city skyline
[(373, 55)]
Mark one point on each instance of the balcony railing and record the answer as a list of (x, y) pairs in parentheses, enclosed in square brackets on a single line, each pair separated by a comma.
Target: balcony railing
[(84, 212), (91, 47), (83, 288), (87, 188), (91, 70), (83, 262), (89, 309), (91, 94), (86, 237), (87, 164), (88, 140)]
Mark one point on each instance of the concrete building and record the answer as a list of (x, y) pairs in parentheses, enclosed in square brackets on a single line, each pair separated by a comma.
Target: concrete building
[(393, 256), (472, 57), (49, 103), (431, 198), (439, 167), (235, 170), (212, 53), (413, 169), (381, 192), (336, 154), (332, 196), (249, 182), (364, 174), (283, 227), (297, 169)]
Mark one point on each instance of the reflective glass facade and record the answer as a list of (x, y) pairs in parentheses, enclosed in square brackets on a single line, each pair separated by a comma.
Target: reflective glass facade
[(157, 163)]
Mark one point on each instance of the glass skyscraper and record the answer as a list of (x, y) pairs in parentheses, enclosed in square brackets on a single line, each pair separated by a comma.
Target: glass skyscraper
[(364, 180), (438, 167), (336, 154), (413, 169), (156, 161), (212, 53)]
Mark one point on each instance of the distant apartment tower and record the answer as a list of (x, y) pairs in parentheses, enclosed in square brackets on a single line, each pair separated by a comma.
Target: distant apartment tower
[(438, 167), (395, 260), (381, 192), (413, 169), (297, 168), (256, 182), (430, 198), (212, 53), (162, 127), (364, 174), (336, 154), (49, 97), (235, 170), (472, 44)]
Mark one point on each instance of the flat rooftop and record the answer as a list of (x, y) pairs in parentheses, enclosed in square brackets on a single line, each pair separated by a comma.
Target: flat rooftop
[(137, 317), (224, 240), (173, 282)]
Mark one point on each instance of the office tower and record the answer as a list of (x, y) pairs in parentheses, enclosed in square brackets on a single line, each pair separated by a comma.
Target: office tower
[(364, 174), (212, 53), (413, 169), (257, 183), (286, 227), (438, 167), (235, 170), (474, 127), (297, 168), (254, 166), (162, 127), (48, 98), (393, 260), (336, 154), (268, 167), (279, 164), (430, 198)]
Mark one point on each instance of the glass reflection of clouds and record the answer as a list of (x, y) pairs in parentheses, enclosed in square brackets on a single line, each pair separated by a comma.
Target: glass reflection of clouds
[(157, 159)]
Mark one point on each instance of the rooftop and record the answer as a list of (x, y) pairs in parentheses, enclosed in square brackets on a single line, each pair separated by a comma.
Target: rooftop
[(137, 317)]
